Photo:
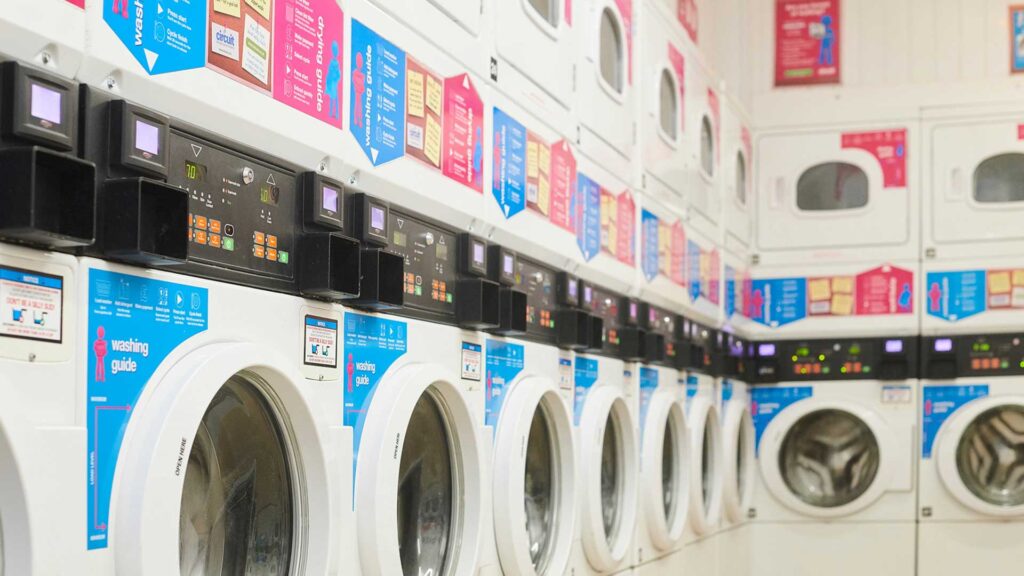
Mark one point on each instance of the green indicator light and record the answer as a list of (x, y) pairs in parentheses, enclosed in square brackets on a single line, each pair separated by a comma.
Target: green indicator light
[(795, 358), (552, 325), (855, 349), (803, 351), (1005, 364), (419, 290), (821, 357), (1022, 363), (282, 257), (826, 370), (229, 244), (449, 297), (867, 369), (843, 369)]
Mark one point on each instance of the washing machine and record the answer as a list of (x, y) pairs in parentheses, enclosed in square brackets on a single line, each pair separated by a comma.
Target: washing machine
[(605, 423), (835, 421), (48, 34), (665, 473), (732, 541), (970, 507), (528, 395)]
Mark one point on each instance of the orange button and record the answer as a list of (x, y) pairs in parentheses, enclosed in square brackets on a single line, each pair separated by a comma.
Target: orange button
[(271, 241), (271, 254), (975, 364), (258, 251), (215, 240), (200, 236), (257, 237), (214, 226), (201, 222)]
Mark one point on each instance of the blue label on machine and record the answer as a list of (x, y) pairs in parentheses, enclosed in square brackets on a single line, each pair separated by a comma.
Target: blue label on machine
[(940, 402), (372, 345), (163, 35), (955, 295), (778, 301), (727, 387), (587, 207), (729, 302), (378, 95), (693, 269), (766, 403), (505, 361), (134, 323), (1017, 27), (509, 178), (649, 244), (586, 373), (648, 386)]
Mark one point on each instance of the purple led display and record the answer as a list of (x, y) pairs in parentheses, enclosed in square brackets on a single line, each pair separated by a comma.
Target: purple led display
[(588, 294), (894, 346), (478, 253), (943, 344), (507, 264), (147, 137), (330, 202), (766, 349), (46, 104), (377, 218), (632, 309)]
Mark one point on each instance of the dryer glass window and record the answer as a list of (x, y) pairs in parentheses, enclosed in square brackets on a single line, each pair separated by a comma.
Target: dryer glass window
[(1000, 179), (547, 9), (237, 502), (741, 179), (832, 186), (425, 491), (707, 478), (668, 112), (540, 489), (829, 458), (611, 478), (611, 52), (742, 465), (670, 470), (707, 147), (990, 456)]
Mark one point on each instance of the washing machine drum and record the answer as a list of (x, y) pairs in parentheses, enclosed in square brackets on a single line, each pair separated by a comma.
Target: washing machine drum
[(829, 458), (539, 487), (611, 479), (237, 509), (990, 456)]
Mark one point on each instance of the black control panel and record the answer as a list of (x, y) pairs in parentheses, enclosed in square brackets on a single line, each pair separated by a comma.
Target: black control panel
[(538, 282), (701, 353), (622, 336), (662, 329), (973, 355), (838, 359), (430, 252), (734, 353)]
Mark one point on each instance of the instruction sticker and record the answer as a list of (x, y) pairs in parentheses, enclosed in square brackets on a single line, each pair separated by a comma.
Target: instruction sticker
[(889, 147), (163, 37), (31, 305), (940, 402), (648, 386), (471, 359), (321, 336), (767, 402), (134, 323), (505, 360), (309, 47), (588, 216), (650, 232), (585, 378), (240, 41), (807, 42)]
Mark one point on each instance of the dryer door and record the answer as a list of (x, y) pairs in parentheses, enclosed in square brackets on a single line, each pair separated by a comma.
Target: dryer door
[(666, 468), (534, 480), (706, 458), (738, 481), (605, 85), (980, 455), (826, 458), (534, 37), (16, 542)]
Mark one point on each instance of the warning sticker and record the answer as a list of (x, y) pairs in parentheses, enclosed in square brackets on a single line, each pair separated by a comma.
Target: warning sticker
[(30, 305), (321, 342)]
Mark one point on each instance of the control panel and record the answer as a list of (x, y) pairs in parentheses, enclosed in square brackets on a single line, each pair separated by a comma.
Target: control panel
[(606, 305), (662, 328), (539, 284), (430, 252), (973, 355), (701, 344), (734, 353), (839, 359)]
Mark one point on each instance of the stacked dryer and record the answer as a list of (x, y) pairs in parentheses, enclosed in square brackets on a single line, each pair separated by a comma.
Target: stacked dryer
[(970, 510)]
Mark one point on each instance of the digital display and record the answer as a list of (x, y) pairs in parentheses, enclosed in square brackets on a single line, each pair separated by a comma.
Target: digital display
[(442, 251), (573, 289), (944, 345), (376, 218), (894, 346), (46, 104), (508, 264), (195, 172), (588, 294), (270, 195), (147, 137), (478, 253), (632, 309), (400, 239), (330, 200), (765, 350)]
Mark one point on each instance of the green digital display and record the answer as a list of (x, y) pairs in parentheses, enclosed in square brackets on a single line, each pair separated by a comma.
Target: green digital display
[(195, 172), (270, 194)]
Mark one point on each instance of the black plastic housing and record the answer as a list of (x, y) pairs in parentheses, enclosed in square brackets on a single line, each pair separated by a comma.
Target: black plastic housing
[(330, 267), (573, 329), (632, 343), (380, 287), (477, 306), (48, 198), (512, 313), (654, 347), (143, 221)]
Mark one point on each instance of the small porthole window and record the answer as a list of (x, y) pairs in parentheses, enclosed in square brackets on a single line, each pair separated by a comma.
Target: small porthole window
[(832, 186), (546, 9), (668, 105), (741, 179), (707, 147), (1000, 179), (611, 53)]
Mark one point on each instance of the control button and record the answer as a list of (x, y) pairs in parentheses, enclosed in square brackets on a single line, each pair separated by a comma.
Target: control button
[(200, 236), (201, 222), (258, 251), (258, 238), (271, 254), (215, 241), (248, 175), (282, 257), (271, 241), (229, 229), (214, 226), (229, 244)]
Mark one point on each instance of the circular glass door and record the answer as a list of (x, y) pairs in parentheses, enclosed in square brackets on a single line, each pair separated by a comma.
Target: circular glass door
[(670, 480), (743, 452), (539, 488), (990, 456), (425, 491), (237, 509), (829, 458), (611, 479), (707, 471)]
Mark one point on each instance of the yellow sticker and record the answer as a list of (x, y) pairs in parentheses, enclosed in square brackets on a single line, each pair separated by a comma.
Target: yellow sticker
[(531, 159), (1018, 277), (229, 7), (414, 81), (434, 95), (432, 141), (544, 159), (999, 282), (842, 305), (819, 289), (543, 194), (843, 284), (261, 6)]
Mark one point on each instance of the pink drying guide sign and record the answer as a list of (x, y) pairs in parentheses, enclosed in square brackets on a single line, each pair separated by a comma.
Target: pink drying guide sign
[(568, 12), (686, 12), (308, 52), (678, 267), (625, 250), (714, 276), (885, 290), (889, 147), (563, 183), (79, 3), (626, 11), (716, 119), (1020, 131), (807, 42), (463, 132), (675, 57)]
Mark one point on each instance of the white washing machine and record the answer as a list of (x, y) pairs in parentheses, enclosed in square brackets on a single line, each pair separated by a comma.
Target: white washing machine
[(819, 189), (971, 514), (605, 421), (48, 34), (665, 473), (835, 422)]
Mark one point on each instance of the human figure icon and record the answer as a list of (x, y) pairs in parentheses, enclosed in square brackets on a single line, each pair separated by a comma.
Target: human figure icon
[(828, 38), (99, 349), (350, 368), (358, 89), (121, 7), (333, 80)]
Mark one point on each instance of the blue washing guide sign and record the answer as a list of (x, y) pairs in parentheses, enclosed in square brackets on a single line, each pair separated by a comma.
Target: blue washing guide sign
[(648, 386), (956, 295), (134, 324), (372, 345), (585, 378), (649, 244), (729, 305), (1017, 31), (505, 361), (377, 119), (940, 402), (693, 269), (587, 207), (778, 301), (163, 35), (767, 402), (509, 186), (727, 388)]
